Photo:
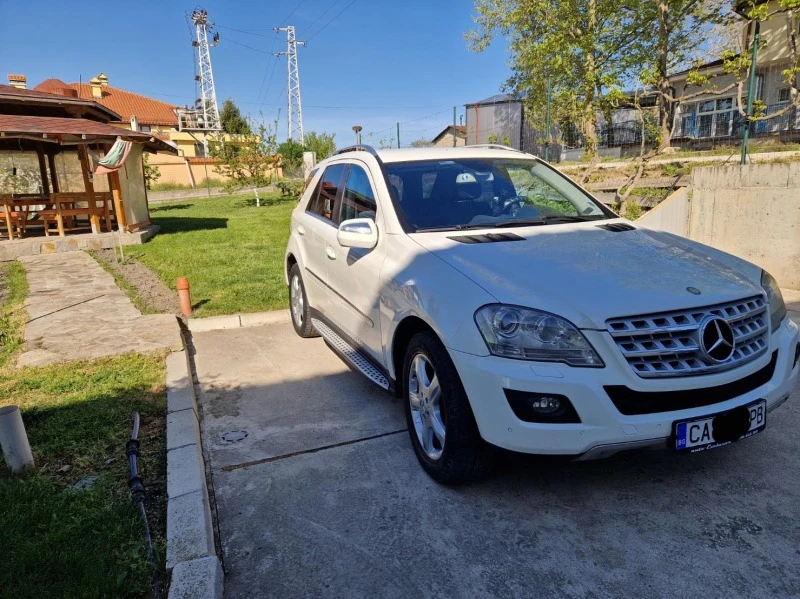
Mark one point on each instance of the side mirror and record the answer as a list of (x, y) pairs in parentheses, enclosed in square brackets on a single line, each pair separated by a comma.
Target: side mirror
[(358, 233)]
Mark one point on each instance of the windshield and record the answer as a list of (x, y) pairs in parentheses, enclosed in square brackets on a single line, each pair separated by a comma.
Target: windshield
[(476, 193)]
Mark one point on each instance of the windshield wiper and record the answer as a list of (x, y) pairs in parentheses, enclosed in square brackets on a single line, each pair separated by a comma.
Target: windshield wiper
[(566, 219), (520, 223)]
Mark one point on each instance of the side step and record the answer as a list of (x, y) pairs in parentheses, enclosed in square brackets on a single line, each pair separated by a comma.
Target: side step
[(351, 354)]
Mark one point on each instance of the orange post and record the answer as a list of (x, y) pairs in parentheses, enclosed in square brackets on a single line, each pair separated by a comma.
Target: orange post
[(185, 298)]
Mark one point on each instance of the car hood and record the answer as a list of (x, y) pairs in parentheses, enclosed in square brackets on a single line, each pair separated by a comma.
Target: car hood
[(588, 274)]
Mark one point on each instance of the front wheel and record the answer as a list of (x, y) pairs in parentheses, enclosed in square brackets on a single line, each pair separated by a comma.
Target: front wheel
[(440, 422), (298, 303)]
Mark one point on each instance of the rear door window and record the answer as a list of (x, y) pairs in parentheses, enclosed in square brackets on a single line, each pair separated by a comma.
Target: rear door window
[(324, 199), (358, 200)]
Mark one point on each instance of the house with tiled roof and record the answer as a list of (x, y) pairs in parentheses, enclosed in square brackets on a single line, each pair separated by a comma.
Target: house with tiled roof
[(137, 111), (140, 113), (445, 138)]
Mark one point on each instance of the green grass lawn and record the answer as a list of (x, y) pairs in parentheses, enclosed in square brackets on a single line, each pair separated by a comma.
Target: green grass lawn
[(58, 541), (230, 250)]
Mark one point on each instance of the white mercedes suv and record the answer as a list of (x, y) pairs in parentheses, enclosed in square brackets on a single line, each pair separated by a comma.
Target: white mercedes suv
[(509, 308)]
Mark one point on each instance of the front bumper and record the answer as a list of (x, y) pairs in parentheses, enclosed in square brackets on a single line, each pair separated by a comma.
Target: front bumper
[(603, 429)]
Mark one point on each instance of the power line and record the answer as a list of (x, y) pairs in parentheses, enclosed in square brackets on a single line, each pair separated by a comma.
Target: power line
[(294, 10), (332, 20), (259, 50)]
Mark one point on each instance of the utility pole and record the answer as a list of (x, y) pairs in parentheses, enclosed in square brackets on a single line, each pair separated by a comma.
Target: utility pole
[(547, 124), (398, 134), (751, 91), (455, 131), (207, 102), (295, 111)]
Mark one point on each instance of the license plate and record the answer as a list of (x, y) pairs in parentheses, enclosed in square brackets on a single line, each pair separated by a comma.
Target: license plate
[(721, 429)]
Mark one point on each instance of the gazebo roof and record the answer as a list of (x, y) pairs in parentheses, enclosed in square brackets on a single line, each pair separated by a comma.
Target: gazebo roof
[(74, 131)]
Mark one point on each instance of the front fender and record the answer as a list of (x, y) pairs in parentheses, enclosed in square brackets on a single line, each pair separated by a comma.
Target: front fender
[(414, 283)]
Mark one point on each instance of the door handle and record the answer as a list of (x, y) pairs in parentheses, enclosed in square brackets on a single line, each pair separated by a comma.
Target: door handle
[(301, 229), (330, 253)]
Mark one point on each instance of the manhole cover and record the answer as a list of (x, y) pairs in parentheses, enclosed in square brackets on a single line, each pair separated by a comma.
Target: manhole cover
[(234, 436)]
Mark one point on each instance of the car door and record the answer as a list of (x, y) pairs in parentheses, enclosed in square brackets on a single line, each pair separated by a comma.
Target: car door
[(354, 273), (315, 227)]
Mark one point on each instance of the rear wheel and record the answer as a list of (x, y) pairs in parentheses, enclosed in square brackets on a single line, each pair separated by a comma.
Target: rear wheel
[(298, 303), (440, 422)]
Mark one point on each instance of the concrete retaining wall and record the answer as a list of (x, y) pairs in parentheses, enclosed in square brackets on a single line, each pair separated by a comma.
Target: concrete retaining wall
[(751, 211), (671, 215)]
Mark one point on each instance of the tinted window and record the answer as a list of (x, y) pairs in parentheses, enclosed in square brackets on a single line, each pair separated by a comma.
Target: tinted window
[(479, 193), (358, 200), (324, 198)]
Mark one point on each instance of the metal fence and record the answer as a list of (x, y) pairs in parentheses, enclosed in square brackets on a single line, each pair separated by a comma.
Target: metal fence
[(611, 135), (731, 124)]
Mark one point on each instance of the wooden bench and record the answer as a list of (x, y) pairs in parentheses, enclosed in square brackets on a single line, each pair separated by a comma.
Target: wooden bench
[(68, 207), (12, 217)]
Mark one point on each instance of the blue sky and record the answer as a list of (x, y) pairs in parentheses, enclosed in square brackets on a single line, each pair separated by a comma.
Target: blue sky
[(376, 63)]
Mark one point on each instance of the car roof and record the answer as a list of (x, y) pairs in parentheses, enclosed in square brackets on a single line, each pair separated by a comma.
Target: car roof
[(439, 153)]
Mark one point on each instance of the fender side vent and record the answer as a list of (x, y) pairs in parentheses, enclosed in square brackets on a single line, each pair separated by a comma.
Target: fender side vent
[(487, 238), (617, 227)]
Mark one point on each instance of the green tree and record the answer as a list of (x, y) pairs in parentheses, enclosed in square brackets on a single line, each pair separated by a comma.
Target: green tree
[(291, 153), (232, 119), (247, 159), (151, 172), (582, 47), (321, 144), (683, 33)]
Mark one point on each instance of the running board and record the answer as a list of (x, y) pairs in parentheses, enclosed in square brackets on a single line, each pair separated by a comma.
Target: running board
[(351, 354)]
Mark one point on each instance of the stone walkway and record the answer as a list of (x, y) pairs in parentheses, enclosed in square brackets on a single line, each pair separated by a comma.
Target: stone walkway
[(76, 311)]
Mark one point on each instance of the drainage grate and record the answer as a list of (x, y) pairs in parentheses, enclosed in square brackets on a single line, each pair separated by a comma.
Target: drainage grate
[(234, 436)]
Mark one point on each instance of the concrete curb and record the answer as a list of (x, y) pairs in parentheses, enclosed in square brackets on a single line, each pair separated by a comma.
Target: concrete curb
[(235, 321), (191, 554)]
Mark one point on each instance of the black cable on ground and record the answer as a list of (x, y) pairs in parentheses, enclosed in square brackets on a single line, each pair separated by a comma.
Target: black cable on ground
[(136, 486)]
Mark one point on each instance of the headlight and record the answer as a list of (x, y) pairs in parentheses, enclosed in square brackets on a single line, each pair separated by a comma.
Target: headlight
[(526, 334), (777, 309)]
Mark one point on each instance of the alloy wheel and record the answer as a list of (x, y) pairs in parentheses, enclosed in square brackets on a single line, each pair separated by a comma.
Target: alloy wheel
[(296, 300), (425, 399)]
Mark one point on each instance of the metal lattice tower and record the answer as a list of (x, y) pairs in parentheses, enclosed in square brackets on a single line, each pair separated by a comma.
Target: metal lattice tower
[(295, 110), (207, 102)]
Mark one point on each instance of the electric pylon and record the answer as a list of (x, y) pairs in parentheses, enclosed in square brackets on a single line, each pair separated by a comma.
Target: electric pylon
[(295, 110), (207, 102)]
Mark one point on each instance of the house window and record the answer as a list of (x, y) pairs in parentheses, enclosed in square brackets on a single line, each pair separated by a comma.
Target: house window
[(144, 128), (784, 94), (714, 118), (199, 150)]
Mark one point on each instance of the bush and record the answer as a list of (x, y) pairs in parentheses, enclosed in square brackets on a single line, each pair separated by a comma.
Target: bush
[(290, 188)]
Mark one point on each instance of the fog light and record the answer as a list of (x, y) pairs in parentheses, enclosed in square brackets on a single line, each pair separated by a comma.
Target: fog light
[(546, 405), (549, 408)]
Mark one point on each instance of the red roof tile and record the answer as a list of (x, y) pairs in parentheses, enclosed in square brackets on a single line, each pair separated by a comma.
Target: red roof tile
[(74, 129), (148, 111)]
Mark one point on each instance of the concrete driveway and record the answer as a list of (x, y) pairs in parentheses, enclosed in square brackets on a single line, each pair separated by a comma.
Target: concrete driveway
[(323, 497)]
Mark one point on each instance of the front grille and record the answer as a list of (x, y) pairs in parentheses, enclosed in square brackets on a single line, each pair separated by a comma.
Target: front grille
[(667, 344), (634, 403)]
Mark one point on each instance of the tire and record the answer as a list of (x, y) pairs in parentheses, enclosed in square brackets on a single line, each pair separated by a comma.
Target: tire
[(298, 305), (462, 456)]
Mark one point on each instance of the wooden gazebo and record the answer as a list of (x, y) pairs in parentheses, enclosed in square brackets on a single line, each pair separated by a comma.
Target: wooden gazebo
[(51, 124)]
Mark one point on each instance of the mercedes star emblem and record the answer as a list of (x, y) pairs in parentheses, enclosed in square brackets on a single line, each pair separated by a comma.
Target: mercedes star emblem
[(716, 339), (693, 290)]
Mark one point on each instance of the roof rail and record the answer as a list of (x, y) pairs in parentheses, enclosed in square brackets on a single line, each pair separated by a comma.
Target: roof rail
[(359, 148), (495, 147)]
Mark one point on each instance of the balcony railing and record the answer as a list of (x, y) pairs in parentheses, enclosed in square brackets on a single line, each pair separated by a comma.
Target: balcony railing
[(732, 123)]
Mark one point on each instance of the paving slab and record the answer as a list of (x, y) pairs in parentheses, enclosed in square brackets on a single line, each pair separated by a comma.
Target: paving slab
[(76, 311), (288, 394), (324, 498)]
